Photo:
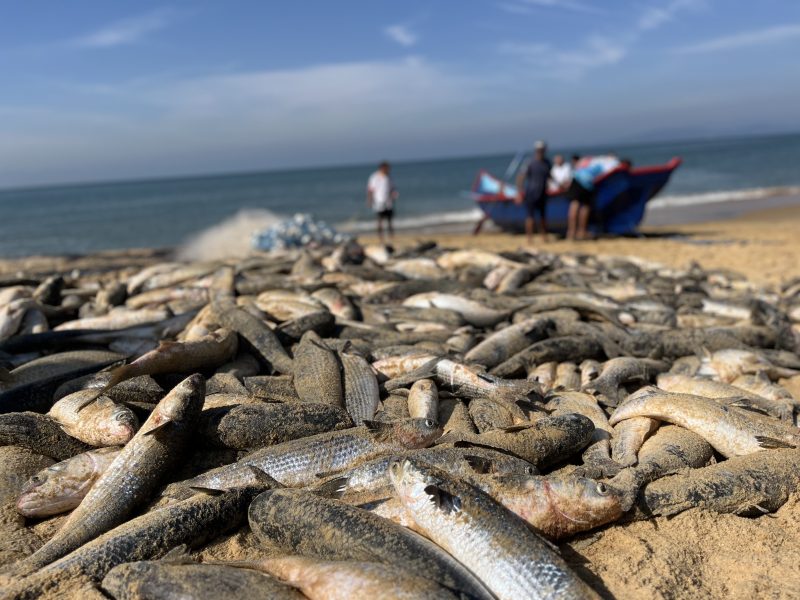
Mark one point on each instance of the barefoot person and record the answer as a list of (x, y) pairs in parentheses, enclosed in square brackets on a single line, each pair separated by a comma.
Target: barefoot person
[(532, 190), (381, 195), (582, 191)]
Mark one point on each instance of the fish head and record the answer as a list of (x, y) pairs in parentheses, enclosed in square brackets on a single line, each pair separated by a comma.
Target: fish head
[(416, 433), (56, 489), (120, 428), (581, 503), (183, 401), (410, 480)]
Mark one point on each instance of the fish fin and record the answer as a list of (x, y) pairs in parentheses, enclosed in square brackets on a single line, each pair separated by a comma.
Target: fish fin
[(479, 464), (207, 490), (487, 377), (92, 399), (157, 428), (744, 404), (443, 500), (516, 428), (378, 429), (770, 443), (264, 478), (179, 555), (334, 488), (530, 405)]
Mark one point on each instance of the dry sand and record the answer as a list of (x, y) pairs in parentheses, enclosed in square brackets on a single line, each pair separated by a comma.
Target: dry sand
[(762, 245), (695, 554)]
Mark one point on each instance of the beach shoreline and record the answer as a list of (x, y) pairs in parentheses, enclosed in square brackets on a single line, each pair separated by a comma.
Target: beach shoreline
[(756, 238)]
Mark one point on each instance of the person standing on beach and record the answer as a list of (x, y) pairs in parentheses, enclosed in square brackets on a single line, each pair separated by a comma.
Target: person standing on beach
[(532, 189), (560, 176), (582, 191), (381, 195)]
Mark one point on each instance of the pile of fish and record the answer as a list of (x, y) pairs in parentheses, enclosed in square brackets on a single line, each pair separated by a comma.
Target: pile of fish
[(425, 424)]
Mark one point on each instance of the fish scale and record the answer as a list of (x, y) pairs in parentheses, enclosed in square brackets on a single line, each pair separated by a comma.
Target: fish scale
[(361, 393)]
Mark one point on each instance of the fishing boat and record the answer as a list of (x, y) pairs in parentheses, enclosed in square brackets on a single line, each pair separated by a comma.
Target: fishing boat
[(621, 197)]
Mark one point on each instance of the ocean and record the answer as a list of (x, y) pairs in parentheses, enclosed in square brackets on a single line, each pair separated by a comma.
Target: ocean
[(74, 219)]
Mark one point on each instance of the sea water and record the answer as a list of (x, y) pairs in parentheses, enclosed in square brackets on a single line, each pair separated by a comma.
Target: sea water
[(167, 212)]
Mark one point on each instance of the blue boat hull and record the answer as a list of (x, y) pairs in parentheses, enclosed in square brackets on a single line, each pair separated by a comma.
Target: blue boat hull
[(618, 209)]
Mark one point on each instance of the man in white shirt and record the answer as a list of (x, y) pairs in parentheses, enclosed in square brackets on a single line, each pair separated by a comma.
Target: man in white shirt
[(381, 195), (560, 176)]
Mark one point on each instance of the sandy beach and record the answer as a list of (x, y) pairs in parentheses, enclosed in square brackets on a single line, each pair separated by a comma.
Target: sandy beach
[(695, 554), (761, 244)]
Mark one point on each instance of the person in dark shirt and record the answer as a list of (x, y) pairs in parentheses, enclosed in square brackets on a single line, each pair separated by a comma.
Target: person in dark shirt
[(532, 190)]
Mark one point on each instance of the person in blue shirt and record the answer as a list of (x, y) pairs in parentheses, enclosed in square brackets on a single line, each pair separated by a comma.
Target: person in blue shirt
[(532, 189), (582, 191)]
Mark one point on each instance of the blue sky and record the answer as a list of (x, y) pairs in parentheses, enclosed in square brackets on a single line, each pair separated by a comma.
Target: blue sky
[(97, 90)]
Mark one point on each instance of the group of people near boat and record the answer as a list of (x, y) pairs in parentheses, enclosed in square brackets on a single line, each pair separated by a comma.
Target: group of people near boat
[(540, 178), (537, 179)]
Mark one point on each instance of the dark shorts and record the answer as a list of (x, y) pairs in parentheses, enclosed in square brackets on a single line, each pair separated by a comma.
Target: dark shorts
[(581, 194), (385, 214), (535, 205)]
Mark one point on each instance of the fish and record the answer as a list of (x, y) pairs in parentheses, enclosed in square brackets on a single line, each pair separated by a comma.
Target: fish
[(542, 443), (544, 374), (557, 349), (336, 302), (251, 426), (255, 334), (761, 385), (567, 377), (670, 449), (299, 522), (60, 487), (423, 400), (190, 581), (628, 437), (40, 434), (16, 466), (361, 393), (728, 364), (320, 579), (369, 481), (95, 419), (618, 371), (137, 469), (397, 366), (31, 386), (732, 432), (724, 392), (558, 506), (473, 312), (117, 318), (317, 372), (597, 456), (297, 462), (470, 525), (192, 522), (752, 484), (210, 351), (504, 343)]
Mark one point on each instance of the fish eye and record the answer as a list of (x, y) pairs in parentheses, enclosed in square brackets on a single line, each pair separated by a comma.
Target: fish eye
[(601, 488), (430, 423), (529, 471), (36, 480)]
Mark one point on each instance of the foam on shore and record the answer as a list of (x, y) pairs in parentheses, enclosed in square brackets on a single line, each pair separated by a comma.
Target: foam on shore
[(231, 238)]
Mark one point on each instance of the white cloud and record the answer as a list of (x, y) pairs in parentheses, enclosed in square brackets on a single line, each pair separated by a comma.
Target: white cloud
[(529, 6), (126, 31), (597, 51), (745, 39), (401, 34), (654, 17)]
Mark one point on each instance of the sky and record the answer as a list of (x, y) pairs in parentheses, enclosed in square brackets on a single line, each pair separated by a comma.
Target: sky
[(98, 90)]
